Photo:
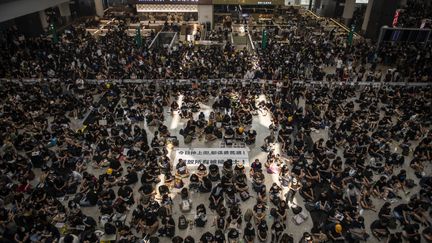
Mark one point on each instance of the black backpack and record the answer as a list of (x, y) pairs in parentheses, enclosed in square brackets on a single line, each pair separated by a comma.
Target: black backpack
[(296, 209), (182, 222), (109, 229)]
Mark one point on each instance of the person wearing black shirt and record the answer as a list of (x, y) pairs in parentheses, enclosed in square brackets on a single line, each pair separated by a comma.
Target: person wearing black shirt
[(277, 229), (207, 237), (249, 233)]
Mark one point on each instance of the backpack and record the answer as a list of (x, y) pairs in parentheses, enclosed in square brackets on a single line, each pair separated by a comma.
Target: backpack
[(109, 229), (248, 215), (185, 206), (188, 139), (182, 222), (296, 209)]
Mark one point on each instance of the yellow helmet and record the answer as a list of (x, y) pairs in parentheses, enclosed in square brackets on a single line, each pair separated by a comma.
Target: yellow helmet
[(109, 171), (338, 228)]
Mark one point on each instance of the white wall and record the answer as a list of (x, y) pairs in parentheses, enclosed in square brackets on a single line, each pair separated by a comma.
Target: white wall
[(205, 14), (19, 8)]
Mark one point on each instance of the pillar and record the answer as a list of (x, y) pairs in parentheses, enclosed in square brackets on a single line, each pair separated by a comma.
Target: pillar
[(65, 11), (348, 11), (43, 19), (99, 8), (367, 15), (205, 14)]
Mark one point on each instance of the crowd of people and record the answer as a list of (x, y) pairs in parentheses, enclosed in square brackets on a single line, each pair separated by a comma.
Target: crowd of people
[(83, 161), (359, 61), (115, 55), (416, 14), (378, 147)]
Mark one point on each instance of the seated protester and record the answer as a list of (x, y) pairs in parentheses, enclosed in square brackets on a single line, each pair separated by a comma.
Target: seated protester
[(115, 165), (235, 217), (307, 192), (177, 239), (277, 230), (275, 193), (259, 212), (427, 234), (216, 197), (125, 193), (207, 237), (189, 239), (249, 233), (411, 234), (163, 131), (156, 141), (188, 132), (174, 106), (219, 236), (293, 187), (233, 236), (240, 133), (130, 178), (256, 166), (239, 169), (209, 132), (201, 216), (205, 185), (90, 198), (214, 174), (167, 228), (335, 233), (201, 171), (268, 141), (229, 133), (403, 212), (379, 229), (250, 137), (150, 224), (230, 195), (258, 181), (227, 168), (242, 187), (194, 183), (357, 230), (262, 229), (181, 169), (352, 195), (284, 176)]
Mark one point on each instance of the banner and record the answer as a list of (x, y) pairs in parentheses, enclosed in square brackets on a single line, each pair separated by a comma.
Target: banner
[(208, 156)]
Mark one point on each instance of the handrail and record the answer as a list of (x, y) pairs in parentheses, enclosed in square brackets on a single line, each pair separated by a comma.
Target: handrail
[(250, 41), (154, 39), (172, 41)]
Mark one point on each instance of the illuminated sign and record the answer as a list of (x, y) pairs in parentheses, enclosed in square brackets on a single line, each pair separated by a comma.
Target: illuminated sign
[(249, 2), (197, 2)]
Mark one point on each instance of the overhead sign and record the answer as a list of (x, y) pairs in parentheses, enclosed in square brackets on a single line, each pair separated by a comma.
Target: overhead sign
[(195, 2), (249, 2), (208, 156)]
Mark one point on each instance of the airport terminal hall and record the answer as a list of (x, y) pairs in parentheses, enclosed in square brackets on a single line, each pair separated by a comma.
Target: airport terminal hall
[(215, 121)]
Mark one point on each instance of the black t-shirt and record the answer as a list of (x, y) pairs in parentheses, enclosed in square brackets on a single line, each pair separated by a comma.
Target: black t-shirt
[(249, 231), (233, 234), (207, 237), (402, 207), (114, 164)]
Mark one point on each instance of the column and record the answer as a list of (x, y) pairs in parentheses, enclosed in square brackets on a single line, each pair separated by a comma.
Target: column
[(65, 11), (99, 8), (205, 14), (367, 15), (43, 19), (348, 10)]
